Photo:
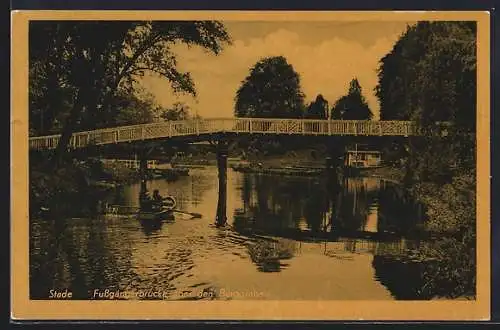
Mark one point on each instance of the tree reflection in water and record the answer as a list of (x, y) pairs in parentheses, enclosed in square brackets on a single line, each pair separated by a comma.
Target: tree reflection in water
[(268, 254), (271, 204), (404, 279), (352, 204), (83, 259), (321, 208), (149, 228)]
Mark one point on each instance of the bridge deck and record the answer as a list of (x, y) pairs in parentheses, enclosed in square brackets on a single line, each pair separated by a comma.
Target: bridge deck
[(188, 128)]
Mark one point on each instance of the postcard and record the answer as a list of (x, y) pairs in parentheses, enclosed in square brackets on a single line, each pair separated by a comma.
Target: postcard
[(250, 165)]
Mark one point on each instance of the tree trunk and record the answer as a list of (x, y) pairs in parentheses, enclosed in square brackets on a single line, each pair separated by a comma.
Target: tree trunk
[(67, 132)]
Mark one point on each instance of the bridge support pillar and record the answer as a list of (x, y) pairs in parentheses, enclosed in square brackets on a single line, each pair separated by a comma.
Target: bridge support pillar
[(334, 161), (144, 186), (143, 165), (222, 153)]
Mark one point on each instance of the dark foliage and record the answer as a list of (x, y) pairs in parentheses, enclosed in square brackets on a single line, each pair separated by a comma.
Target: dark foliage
[(271, 90), (352, 106)]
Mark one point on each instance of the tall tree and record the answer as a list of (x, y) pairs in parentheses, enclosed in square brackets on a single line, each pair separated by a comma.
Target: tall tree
[(352, 106), (271, 90), (317, 109), (430, 77), (78, 67)]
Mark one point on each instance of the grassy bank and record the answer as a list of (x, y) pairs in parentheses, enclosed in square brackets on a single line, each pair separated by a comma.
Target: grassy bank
[(450, 209), (74, 188), (447, 265)]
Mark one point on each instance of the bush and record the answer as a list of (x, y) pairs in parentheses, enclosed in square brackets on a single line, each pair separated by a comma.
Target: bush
[(450, 263)]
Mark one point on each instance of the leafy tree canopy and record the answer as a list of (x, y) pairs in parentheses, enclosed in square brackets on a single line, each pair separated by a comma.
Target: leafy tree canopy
[(179, 111), (271, 90), (132, 110), (429, 77), (317, 109), (430, 73), (352, 106)]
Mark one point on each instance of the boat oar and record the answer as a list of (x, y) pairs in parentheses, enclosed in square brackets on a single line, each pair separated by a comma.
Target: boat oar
[(194, 215), (135, 209)]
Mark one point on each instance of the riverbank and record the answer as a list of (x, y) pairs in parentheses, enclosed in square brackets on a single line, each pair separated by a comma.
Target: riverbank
[(306, 162), (246, 167), (449, 209), (308, 168), (74, 187)]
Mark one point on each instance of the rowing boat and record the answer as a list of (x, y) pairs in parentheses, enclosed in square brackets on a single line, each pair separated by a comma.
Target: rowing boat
[(164, 214)]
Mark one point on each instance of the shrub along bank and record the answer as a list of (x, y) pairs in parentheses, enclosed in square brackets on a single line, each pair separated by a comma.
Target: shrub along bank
[(74, 188), (450, 268)]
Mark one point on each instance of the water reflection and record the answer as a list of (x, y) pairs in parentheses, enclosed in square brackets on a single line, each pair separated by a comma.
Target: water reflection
[(150, 227), (81, 255), (289, 237), (269, 255), (271, 204)]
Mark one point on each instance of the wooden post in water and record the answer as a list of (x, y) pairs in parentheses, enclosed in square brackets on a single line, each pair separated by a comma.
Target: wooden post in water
[(221, 153), (331, 173)]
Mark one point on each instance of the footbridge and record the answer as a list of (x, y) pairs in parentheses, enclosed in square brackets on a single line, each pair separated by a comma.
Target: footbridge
[(200, 128)]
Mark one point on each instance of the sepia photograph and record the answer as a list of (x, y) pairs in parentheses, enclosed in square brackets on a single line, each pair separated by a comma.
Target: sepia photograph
[(254, 159)]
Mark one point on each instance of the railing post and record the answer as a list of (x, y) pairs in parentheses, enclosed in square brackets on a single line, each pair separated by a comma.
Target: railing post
[(329, 127), (169, 129), (197, 125), (250, 126)]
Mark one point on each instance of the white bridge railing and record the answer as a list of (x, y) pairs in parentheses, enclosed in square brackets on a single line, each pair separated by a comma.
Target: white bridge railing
[(169, 129)]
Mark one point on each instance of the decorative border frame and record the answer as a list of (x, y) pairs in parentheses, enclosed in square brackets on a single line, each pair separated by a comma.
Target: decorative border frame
[(25, 309)]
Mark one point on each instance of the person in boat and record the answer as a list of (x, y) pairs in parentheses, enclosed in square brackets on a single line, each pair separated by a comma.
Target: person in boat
[(157, 196), (157, 200), (163, 202)]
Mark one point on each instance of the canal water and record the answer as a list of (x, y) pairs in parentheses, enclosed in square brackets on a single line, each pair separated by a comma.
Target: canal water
[(287, 238)]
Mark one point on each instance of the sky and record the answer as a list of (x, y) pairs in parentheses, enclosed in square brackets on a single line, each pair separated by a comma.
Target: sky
[(326, 55)]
